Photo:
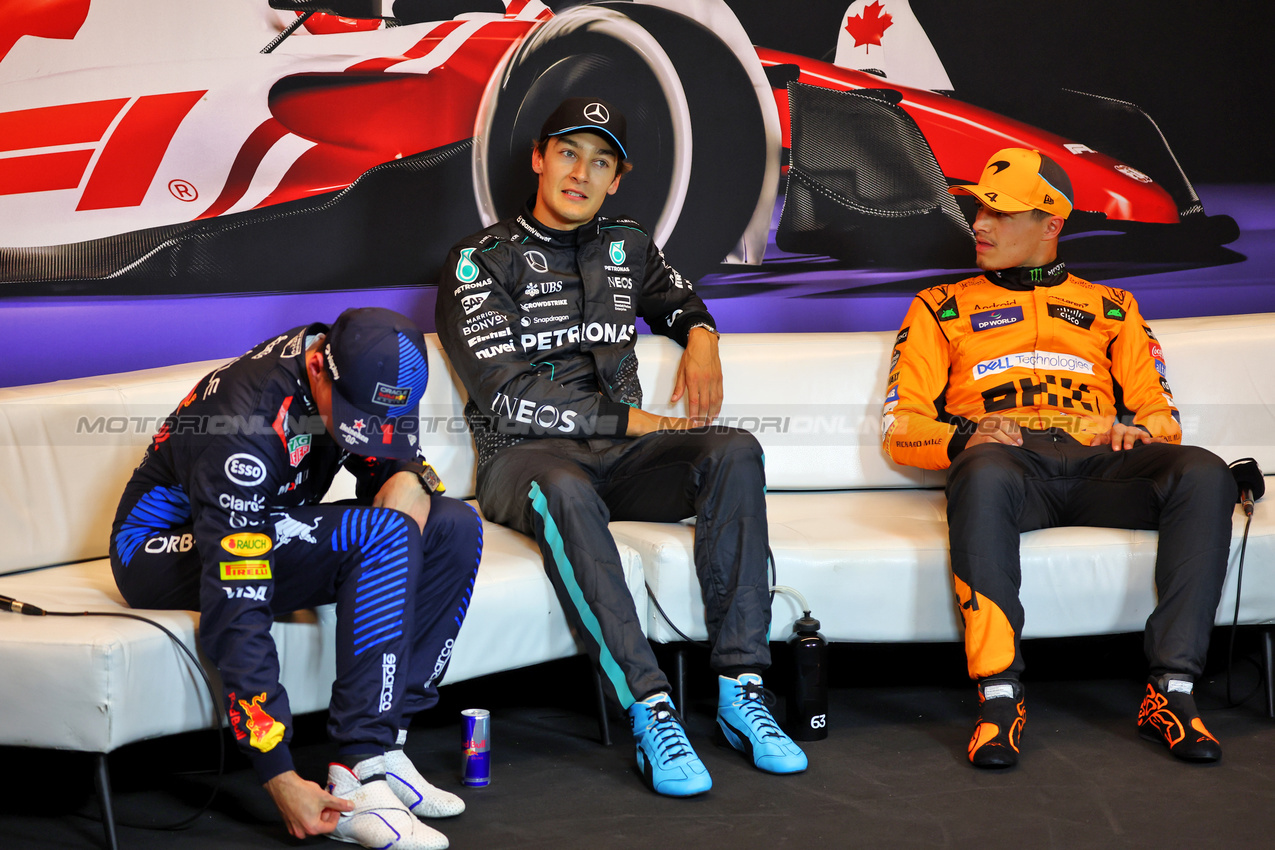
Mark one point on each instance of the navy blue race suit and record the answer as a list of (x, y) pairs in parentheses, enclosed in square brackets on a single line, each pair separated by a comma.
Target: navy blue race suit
[(540, 326), (222, 516)]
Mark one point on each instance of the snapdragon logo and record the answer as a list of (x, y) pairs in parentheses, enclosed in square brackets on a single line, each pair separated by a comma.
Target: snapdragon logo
[(389, 664), (1045, 360)]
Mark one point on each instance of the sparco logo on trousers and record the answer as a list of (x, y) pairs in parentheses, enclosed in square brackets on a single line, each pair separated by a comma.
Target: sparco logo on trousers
[(388, 665), (440, 663), (245, 469)]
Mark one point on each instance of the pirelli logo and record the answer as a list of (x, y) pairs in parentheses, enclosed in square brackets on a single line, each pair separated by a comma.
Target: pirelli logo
[(240, 570)]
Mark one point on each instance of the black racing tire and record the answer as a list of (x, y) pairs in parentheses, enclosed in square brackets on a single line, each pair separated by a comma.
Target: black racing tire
[(696, 132)]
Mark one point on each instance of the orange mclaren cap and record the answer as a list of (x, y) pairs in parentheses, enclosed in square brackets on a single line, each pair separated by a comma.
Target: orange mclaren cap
[(1018, 179)]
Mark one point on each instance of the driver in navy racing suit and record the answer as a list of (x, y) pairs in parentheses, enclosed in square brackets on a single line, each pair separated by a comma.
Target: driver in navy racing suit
[(223, 517)]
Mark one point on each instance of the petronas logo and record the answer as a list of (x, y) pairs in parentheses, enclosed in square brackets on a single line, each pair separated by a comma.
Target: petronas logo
[(617, 252), (466, 269)]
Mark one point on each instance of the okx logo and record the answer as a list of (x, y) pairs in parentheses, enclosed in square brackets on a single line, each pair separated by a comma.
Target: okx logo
[(466, 269), (617, 252)]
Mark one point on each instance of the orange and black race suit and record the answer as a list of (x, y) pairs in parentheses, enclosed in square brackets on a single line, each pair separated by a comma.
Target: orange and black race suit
[(1070, 355), (1064, 358)]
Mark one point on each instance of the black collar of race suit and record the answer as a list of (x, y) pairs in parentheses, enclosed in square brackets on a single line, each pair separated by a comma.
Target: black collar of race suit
[(1024, 278), (557, 238)]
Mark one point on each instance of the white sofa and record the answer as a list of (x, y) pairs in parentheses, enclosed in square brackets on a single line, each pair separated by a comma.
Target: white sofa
[(863, 539)]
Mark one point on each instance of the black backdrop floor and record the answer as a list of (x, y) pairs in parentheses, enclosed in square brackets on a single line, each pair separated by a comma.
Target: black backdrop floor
[(892, 772)]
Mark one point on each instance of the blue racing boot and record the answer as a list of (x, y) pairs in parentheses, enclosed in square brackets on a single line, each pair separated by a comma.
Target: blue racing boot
[(750, 728), (668, 764)]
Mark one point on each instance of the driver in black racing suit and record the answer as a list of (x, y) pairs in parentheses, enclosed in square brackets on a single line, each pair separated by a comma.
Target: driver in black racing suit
[(537, 315)]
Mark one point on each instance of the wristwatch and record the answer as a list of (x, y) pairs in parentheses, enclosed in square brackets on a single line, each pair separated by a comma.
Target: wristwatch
[(430, 480)]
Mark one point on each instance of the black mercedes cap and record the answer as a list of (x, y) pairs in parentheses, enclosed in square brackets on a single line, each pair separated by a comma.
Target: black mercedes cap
[(586, 113)]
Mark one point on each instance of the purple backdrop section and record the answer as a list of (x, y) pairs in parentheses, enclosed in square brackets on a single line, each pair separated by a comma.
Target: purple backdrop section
[(53, 338), (47, 339)]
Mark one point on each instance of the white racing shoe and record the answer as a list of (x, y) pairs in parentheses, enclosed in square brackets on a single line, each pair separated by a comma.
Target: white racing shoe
[(379, 820), (416, 792)]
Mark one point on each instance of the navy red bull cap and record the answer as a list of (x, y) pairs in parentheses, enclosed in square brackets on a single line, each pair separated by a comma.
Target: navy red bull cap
[(576, 114), (379, 367)]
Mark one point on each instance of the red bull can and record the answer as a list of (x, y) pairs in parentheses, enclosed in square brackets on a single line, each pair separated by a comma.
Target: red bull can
[(476, 767)]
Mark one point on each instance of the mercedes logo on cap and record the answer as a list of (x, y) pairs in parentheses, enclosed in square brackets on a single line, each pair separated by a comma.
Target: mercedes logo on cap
[(597, 113), (537, 261)]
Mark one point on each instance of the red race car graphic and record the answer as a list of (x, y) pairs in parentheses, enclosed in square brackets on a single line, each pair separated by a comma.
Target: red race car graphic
[(153, 147)]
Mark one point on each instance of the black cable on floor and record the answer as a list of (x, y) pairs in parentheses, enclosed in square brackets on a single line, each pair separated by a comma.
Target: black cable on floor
[(216, 700)]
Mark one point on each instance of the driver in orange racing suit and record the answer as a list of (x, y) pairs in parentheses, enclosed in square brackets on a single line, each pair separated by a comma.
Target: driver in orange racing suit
[(1047, 398)]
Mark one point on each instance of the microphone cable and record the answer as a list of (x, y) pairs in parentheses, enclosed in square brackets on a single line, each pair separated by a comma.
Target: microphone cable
[(774, 587), (1231, 702), (35, 611)]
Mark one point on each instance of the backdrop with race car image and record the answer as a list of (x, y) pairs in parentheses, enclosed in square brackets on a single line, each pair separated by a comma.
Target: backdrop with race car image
[(795, 163)]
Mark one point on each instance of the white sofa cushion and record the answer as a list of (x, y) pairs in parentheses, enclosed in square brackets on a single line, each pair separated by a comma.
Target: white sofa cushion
[(874, 567), (97, 683)]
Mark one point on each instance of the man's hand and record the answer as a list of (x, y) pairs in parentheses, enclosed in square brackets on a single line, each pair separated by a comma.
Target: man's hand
[(699, 377), (996, 429), (1124, 437), (307, 809), (642, 423), (403, 492)]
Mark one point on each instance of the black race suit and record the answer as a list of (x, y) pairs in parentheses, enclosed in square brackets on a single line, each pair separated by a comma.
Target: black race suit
[(539, 325), (222, 517)]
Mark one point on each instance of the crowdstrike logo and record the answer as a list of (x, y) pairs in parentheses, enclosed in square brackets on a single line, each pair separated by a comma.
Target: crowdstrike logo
[(389, 664), (1045, 360)]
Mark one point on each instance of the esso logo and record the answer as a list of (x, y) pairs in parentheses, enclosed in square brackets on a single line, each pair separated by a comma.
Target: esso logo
[(819, 721), (245, 469)]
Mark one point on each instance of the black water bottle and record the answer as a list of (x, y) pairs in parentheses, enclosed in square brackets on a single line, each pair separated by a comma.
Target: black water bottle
[(808, 700)]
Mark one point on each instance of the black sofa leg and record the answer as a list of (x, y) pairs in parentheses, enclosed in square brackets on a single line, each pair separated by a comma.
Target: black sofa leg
[(604, 723), (1268, 668), (679, 678), (102, 779)]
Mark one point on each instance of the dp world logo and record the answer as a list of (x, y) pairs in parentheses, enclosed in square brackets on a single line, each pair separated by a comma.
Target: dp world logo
[(536, 260), (597, 113), (466, 269), (617, 252)]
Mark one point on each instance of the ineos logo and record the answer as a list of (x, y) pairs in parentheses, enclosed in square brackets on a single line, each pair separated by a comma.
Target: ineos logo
[(245, 469), (537, 261), (598, 113)]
